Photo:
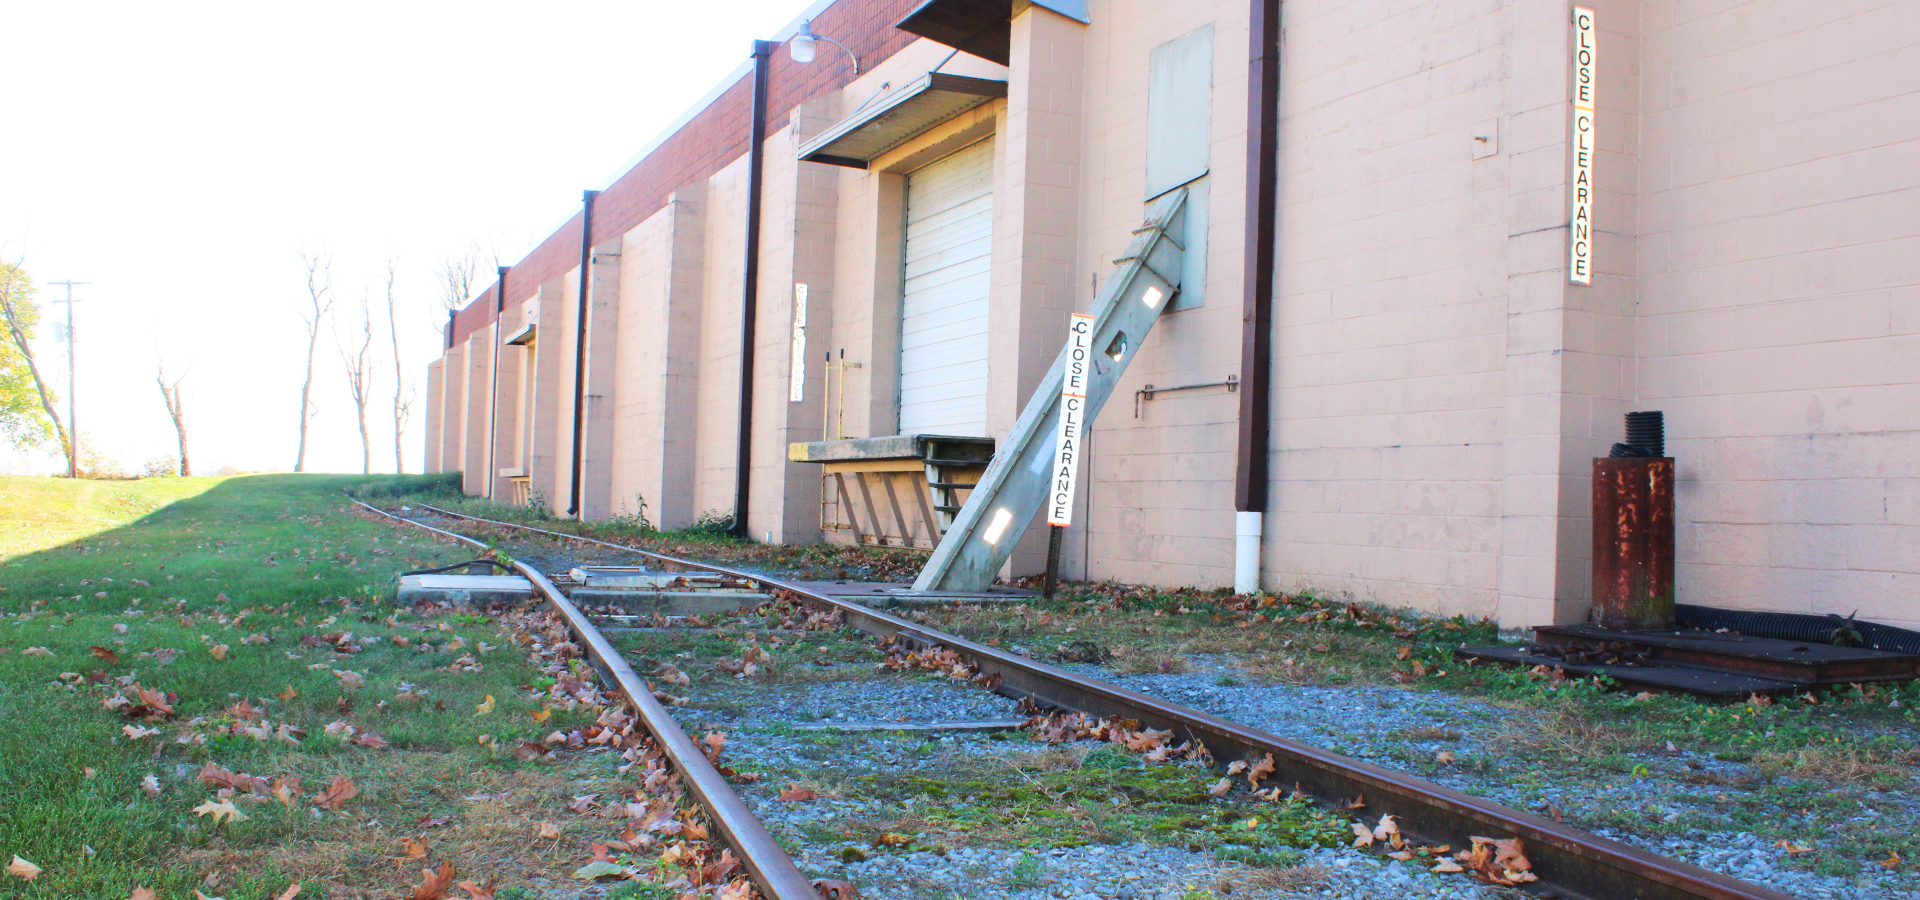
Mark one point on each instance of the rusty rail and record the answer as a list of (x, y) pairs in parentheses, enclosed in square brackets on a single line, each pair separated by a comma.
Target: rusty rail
[(767, 863), (1571, 863)]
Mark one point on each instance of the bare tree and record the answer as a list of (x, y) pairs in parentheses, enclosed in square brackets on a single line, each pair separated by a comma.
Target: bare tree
[(402, 392), (355, 353), (457, 275), (176, 410), (21, 313), (320, 299)]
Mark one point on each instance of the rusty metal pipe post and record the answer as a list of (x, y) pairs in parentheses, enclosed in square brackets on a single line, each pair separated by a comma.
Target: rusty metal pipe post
[(1633, 543)]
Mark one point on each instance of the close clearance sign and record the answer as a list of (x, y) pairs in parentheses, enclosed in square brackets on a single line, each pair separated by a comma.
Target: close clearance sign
[(1073, 407)]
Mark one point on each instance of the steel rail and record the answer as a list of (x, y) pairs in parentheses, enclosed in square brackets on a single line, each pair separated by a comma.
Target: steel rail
[(766, 862), (1570, 863)]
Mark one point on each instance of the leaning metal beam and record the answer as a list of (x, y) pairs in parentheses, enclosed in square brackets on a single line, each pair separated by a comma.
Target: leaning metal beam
[(1015, 485)]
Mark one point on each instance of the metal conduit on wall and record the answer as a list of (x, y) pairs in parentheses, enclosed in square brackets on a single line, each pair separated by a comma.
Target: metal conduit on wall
[(493, 401), (580, 347), (750, 291), (1256, 337)]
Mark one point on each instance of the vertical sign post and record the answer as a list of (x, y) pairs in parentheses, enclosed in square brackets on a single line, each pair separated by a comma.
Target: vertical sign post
[(1073, 407), (1066, 439), (797, 388), (1580, 224)]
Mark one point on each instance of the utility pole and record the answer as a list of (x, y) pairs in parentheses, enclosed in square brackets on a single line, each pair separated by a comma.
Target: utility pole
[(73, 426)]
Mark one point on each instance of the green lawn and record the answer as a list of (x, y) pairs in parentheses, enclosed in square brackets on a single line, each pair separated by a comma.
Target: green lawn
[(204, 588)]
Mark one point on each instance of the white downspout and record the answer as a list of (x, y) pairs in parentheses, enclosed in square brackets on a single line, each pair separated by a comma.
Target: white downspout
[(1246, 552)]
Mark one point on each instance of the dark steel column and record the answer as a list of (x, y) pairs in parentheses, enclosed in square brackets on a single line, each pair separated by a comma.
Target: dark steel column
[(1633, 543), (750, 292), (580, 344), (493, 401), (1263, 179)]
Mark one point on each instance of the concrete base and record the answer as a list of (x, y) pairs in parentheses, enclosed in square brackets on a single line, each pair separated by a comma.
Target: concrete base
[(670, 603), (463, 589), (636, 578)]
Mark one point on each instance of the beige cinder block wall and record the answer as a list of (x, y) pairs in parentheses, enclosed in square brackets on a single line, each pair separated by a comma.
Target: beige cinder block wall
[(509, 403), (597, 501), (478, 418), (655, 428), (453, 409), (1157, 493), (1779, 277), (718, 379), (551, 435), (431, 417)]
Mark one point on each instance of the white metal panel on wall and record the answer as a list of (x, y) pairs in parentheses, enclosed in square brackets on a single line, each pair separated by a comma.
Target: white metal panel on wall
[(943, 311)]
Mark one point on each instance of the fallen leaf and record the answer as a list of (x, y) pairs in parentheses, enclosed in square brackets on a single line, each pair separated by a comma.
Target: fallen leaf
[(1359, 802), (894, 839), (1448, 866), (112, 658), (672, 674), (412, 848), (290, 892), (350, 680), (477, 891), (338, 791), (485, 707), (141, 893), (1444, 757), (218, 651), (1362, 835), (793, 793), (601, 868), (1893, 860), (288, 694), (1403, 653), (35, 651), (541, 716), (224, 811), (136, 732), (1388, 830), (200, 896), (438, 881), (151, 784), (20, 868), (88, 771), (1792, 848), (549, 832), (1260, 770), (1221, 787)]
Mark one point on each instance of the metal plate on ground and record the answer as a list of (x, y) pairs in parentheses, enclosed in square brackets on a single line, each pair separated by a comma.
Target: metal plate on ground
[(1659, 679), (1795, 661), (463, 589)]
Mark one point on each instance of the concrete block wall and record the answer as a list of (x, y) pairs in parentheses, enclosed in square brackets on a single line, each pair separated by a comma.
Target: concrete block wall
[(433, 417), (1440, 387), (1157, 492), (1779, 319)]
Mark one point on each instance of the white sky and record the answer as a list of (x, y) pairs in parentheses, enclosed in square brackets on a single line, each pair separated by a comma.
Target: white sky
[(178, 156)]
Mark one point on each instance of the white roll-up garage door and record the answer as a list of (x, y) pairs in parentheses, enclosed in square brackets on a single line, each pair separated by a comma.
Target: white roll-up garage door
[(943, 340)]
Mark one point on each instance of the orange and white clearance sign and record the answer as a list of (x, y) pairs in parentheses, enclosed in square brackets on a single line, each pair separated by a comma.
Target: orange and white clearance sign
[(1585, 75), (1073, 407)]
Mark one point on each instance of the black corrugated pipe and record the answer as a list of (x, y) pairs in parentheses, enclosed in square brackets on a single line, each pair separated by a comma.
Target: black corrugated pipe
[(493, 401), (1256, 320), (580, 347), (750, 293)]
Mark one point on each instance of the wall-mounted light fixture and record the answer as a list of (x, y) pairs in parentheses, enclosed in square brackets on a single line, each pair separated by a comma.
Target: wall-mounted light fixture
[(801, 46)]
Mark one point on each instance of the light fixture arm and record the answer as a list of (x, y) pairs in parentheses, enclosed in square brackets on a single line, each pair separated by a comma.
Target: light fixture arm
[(850, 54)]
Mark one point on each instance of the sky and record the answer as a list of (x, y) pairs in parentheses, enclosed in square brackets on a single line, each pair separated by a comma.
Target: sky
[(181, 157)]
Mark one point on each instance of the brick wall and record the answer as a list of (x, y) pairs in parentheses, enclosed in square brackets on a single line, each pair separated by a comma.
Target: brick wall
[(714, 137)]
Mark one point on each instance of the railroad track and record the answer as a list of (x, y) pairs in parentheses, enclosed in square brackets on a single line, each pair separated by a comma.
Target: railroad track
[(1568, 862)]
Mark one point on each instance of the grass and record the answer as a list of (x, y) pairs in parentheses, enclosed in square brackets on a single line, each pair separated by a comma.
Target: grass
[(229, 575)]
